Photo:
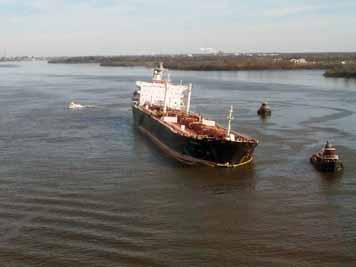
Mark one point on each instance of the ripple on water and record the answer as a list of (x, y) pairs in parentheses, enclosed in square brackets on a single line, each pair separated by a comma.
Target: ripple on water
[(76, 229), (79, 188)]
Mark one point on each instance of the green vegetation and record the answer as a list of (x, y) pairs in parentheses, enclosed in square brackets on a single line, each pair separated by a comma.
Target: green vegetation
[(342, 71), (220, 61)]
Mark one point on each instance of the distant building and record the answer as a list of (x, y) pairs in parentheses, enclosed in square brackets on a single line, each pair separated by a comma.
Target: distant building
[(203, 54), (278, 59), (299, 61), (209, 53), (224, 54), (267, 54)]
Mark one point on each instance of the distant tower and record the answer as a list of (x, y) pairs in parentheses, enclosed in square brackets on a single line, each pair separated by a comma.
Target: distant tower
[(4, 54)]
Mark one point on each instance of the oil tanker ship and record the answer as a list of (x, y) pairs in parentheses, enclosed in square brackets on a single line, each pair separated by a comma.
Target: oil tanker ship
[(161, 111)]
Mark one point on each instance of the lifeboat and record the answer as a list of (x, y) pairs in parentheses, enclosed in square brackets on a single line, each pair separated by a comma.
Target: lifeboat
[(327, 160)]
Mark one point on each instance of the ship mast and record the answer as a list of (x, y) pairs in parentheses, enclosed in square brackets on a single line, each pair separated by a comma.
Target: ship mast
[(230, 118), (189, 96), (165, 96)]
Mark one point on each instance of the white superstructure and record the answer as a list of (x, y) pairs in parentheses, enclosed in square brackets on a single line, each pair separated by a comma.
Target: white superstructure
[(161, 92)]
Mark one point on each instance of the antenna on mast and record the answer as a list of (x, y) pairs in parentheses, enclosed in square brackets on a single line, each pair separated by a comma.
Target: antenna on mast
[(5, 54)]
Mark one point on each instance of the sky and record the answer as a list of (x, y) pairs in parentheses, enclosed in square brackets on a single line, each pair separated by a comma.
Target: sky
[(116, 27)]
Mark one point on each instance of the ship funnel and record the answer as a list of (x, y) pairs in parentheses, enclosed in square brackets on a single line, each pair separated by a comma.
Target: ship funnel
[(158, 72)]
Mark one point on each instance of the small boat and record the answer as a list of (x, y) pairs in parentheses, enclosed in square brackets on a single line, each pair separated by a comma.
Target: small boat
[(327, 160), (264, 110), (73, 105)]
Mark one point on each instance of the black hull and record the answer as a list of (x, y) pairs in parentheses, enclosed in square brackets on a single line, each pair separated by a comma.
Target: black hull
[(264, 112), (326, 165), (190, 150)]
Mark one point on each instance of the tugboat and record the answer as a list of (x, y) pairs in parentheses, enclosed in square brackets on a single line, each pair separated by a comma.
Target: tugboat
[(327, 160), (264, 110), (161, 111)]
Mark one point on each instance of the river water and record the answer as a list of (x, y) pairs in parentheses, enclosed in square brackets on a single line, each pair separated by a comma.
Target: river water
[(83, 188)]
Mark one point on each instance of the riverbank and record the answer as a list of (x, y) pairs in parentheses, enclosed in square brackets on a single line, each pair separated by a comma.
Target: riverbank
[(219, 61), (343, 71)]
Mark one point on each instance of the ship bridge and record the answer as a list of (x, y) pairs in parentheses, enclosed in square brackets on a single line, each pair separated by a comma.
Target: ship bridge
[(161, 92)]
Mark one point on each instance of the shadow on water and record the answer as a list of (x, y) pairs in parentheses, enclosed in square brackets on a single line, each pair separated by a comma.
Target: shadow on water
[(215, 180), (220, 181), (331, 177), (265, 118)]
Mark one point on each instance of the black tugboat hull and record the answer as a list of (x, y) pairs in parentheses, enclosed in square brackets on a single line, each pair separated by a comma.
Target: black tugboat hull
[(190, 150), (326, 165), (264, 112)]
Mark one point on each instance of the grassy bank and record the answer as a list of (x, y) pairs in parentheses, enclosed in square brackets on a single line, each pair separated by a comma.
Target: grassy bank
[(342, 71), (220, 62)]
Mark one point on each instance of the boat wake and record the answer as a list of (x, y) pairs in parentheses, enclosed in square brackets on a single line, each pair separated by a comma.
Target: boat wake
[(76, 106)]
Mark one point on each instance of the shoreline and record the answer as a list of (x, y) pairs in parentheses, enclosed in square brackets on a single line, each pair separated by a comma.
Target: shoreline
[(323, 61), (344, 71)]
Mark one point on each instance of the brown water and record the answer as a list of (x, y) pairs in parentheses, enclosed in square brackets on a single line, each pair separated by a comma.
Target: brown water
[(83, 188)]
